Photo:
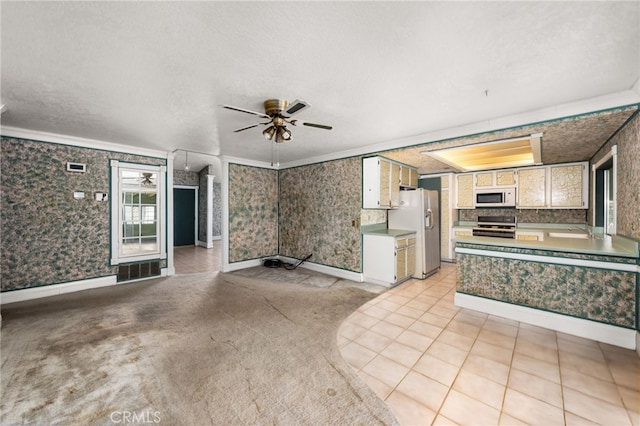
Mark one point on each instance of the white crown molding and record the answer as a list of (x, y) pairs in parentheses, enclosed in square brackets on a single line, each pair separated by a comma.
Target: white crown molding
[(16, 132), (585, 106), (243, 161)]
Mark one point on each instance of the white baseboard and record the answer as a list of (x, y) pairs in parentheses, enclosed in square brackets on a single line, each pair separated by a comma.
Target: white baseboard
[(638, 343), (600, 332), (236, 266), (216, 237), (55, 289), (335, 272), (70, 287), (204, 244)]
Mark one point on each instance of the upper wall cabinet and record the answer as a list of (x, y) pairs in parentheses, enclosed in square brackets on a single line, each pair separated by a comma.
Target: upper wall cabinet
[(464, 186), (381, 182), (569, 186), (495, 178), (561, 186), (532, 188)]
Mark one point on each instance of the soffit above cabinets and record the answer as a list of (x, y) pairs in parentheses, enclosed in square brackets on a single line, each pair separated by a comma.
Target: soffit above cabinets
[(567, 140), (506, 153)]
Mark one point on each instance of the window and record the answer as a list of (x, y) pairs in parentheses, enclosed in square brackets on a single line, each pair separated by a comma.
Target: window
[(137, 215)]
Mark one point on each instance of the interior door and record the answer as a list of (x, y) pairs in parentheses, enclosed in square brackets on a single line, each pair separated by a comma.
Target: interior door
[(184, 217)]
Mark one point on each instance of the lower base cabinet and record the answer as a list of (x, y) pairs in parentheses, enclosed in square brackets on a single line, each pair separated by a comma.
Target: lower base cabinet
[(389, 260)]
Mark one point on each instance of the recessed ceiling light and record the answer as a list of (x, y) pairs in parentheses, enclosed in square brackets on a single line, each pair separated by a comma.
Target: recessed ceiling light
[(515, 152)]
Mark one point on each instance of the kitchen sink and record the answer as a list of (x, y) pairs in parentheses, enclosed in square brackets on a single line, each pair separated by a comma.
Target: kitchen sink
[(580, 236)]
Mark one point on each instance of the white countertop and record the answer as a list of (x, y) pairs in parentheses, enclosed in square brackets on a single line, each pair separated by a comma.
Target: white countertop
[(389, 232), (601, 245)]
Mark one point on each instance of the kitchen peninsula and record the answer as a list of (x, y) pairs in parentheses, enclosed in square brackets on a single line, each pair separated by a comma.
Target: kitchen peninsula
[(568, 281)]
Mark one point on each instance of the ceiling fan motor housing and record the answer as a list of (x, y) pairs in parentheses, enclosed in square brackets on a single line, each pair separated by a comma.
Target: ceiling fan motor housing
[(274, 106)]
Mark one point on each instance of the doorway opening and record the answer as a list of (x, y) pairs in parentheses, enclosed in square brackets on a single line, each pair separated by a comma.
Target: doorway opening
[(185, 219), (604, 179)]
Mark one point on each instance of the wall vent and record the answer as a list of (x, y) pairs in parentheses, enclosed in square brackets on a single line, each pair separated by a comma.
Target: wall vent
[(134, 271)]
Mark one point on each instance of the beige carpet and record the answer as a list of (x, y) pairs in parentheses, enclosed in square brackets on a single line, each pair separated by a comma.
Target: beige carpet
[(192, 349)]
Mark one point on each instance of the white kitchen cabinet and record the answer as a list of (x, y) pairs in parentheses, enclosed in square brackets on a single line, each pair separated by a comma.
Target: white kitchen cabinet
[(388, 260), (532, 188), (381, 181), (569, 186), (529, 235), (462, 232), (408, 176), (464, 191), (560, 186), (495, 178)]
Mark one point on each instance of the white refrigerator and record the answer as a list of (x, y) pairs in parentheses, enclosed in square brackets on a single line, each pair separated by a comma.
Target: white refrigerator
[(419, 211)]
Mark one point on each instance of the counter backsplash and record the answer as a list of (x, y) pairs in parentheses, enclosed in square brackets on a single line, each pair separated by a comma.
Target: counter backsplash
[(528, 216)]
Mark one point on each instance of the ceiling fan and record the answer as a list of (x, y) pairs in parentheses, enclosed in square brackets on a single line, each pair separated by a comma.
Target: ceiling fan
[(279, 113), (147, 179)]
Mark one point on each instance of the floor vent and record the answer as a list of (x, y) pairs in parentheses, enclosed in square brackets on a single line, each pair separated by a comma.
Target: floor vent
[(134, 271)]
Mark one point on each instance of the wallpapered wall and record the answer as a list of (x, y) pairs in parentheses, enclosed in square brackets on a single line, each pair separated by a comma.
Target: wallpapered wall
[(320, 213), (628, 171), (180, 177), (216, 225), (48, 237), (529, 215), (253, 212)]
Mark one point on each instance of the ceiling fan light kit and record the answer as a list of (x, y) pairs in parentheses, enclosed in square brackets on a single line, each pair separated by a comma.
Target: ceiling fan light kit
[(279, 113)]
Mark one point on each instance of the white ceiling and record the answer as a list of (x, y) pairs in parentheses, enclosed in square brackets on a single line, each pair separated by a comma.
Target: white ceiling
[(154, 74)]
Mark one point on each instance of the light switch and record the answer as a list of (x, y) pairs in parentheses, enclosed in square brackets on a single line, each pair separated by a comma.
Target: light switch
[(78, 195)]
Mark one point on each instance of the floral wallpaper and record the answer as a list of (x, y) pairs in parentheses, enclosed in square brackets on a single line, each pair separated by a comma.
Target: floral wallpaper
[(180, 177), (601, 295), (48, 237), (628, 171), (577, 216), (253, 212), (320, 213)]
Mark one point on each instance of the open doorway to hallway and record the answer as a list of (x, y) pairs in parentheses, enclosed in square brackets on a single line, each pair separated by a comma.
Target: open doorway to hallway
[(196, 259)]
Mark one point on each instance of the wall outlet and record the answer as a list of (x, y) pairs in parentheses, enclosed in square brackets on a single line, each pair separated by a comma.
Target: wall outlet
[(102, 196)]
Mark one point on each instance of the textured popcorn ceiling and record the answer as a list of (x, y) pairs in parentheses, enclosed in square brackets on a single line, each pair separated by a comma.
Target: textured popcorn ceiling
[(154, 74)]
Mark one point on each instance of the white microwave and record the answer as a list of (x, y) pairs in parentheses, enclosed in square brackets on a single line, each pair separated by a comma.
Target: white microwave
[(495, 197)]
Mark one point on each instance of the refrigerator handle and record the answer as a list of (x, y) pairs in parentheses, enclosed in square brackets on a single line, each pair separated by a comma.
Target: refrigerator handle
[(428, 222)]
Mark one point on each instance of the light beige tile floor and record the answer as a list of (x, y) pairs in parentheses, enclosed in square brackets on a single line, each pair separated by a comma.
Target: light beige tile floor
[(434, 363), (196, 259)]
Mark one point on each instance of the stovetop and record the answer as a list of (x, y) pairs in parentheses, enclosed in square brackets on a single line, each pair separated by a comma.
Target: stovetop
[(495, 226)]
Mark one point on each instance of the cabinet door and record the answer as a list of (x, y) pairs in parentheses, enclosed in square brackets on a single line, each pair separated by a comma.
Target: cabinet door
[(484, 179), (506, 178), (401, 263), (413, 178), (394, 183), (411, 259), (465, 191), (532, 188), (405, 176), (385, 187), (567, 186)]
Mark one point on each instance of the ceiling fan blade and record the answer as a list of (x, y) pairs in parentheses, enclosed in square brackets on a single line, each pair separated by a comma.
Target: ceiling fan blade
[(246, 128), (247, 111), (319, 126)]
